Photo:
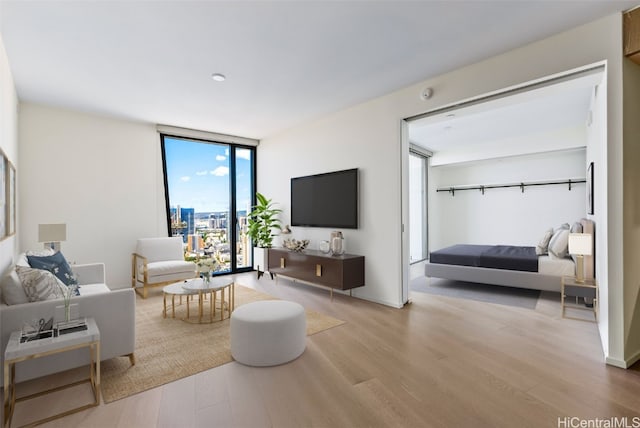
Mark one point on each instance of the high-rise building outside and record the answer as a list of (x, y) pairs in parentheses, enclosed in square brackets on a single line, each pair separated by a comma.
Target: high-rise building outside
[(182, 222)]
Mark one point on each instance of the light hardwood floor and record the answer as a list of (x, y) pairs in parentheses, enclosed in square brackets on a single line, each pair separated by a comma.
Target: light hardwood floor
[(438, 362)]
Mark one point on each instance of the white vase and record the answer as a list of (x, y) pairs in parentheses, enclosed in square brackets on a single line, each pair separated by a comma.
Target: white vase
[(337, 246)]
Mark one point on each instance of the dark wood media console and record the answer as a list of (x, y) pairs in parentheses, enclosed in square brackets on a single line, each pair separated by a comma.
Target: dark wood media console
[(340, 272)]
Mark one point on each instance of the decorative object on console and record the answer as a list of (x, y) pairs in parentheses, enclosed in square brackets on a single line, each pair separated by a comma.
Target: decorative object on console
[(580, 246), (324, 247), (337, 243), (285, 233), (295, 245), (52, 235)]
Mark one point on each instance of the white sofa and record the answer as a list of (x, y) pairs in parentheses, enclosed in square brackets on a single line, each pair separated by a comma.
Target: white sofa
[(113, 310)]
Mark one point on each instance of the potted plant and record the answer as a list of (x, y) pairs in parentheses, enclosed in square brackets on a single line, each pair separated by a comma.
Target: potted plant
[(262, 220)]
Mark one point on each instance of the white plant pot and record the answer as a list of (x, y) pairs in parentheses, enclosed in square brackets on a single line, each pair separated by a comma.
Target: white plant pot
[(261, 259)]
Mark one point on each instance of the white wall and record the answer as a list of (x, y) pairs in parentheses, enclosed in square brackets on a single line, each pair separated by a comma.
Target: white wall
[(8, 142), (368, 136), (100, 176), (505, 216), (334, 144)]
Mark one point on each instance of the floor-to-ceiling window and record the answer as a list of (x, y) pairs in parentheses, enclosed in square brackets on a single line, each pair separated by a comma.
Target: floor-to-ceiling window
[(209, 188)]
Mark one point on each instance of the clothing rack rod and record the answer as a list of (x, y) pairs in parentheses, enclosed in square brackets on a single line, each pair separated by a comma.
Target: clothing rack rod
[(522, 185)]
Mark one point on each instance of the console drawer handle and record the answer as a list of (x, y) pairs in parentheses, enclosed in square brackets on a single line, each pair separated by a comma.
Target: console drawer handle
[(318, 270), (282, 262)]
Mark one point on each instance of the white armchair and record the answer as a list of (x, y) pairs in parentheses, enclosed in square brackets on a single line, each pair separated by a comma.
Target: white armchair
[(159, 261)]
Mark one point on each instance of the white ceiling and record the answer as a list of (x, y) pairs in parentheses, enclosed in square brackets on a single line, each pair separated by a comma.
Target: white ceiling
[(285, 62), (551, 108)]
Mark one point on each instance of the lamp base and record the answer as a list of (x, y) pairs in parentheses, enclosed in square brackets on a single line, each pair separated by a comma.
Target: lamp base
[(52, 245), (580, 269)]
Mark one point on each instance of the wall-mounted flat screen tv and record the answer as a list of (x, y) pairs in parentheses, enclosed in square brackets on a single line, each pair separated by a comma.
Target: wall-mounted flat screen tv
[(325, 200)]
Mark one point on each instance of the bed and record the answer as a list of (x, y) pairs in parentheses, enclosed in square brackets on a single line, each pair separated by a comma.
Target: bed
[(506, 265)]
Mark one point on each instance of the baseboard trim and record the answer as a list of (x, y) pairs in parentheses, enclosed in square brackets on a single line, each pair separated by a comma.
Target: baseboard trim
[(616, 362), (634, 359), (623, 364), (379, 301)]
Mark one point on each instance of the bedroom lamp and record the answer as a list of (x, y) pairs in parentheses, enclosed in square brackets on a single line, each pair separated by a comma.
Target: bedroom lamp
[(580, 246), (52, 235)]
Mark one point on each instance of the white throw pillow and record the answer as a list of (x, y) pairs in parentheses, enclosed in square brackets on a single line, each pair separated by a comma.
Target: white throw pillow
[(39, 284), (12, 291), (558, 246), (543, 246), (22, 258)]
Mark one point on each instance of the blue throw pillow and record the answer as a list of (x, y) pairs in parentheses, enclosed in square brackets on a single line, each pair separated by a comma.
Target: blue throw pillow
[(56, 264)]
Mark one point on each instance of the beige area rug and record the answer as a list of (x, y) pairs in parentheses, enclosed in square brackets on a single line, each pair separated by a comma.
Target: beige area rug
[(169, 349)]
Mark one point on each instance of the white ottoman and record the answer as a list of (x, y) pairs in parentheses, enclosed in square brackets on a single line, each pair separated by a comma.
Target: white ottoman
[(268, 332)]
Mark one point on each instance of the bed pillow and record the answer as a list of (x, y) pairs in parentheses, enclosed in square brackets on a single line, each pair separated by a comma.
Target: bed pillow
[(576, 228), (543, 246), (558, 246), (39, 284)]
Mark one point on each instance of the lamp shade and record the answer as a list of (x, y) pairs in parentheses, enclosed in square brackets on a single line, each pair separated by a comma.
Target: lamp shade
[(52, 232), (580, 244)]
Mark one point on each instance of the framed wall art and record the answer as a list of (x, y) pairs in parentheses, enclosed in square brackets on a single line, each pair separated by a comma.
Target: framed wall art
[(11, 199), (3, 195)]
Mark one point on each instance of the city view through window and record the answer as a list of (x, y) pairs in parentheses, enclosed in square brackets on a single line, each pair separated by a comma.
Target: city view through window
[(209, 188)]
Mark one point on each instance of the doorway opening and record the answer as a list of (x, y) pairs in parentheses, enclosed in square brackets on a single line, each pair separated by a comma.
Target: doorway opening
[(545, 119)]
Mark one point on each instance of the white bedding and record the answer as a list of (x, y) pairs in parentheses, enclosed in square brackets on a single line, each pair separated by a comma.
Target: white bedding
[(556, 267)]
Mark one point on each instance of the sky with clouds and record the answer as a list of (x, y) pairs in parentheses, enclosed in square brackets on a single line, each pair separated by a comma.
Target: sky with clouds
[(198, 175)]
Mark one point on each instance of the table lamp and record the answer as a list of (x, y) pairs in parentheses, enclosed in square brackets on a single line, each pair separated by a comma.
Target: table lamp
[(580, 245), (52, 235)]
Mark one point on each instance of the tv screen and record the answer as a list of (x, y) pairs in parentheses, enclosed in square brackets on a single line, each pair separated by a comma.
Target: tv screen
[(325, 200)]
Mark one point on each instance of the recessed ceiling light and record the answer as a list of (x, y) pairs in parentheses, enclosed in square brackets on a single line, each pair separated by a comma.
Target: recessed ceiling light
[(218, 77)]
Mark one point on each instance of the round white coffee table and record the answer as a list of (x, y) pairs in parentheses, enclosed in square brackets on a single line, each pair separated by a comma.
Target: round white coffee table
[(198, 285), (173, 290)]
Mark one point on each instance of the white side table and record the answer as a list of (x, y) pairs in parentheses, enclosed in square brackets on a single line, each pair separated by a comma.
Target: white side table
[(17, 352)]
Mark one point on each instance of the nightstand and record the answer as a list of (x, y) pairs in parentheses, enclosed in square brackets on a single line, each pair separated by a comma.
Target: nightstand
[(586, 290)]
